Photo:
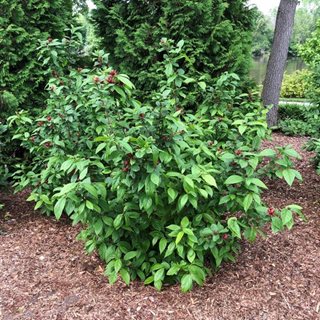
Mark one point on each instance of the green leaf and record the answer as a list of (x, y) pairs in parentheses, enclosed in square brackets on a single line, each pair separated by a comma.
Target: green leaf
[(289, 175), (188, 184), (125, 276), (155, 178), (149, 280), (267, 153), (98, 226), (58, 208), (89, 205), (242, 129), (83, 174), (184, 222), (100, 147), (191, 255), (117, 221), (259, 183), (125, 80), (172, 194), (117, 265), (170, 249), (247, 201), (186, 283), (162, 245), (234, 227), (286, 217), (210, 180), (159, 275), (197, 274), (234, 179), (66, 165), (292, 153), (91, 189), (130, 255), (202, 85), (182, 202), (179, 237), (276, 224), (66, 189)]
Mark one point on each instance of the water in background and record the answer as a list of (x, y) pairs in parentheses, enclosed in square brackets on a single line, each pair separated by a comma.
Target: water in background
[(259, 67)]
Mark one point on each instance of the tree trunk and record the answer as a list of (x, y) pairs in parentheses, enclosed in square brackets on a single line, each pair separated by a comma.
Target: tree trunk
[(278, 58)]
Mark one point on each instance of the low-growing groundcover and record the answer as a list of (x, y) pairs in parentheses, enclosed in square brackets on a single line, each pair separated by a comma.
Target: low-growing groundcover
[(164, 195)]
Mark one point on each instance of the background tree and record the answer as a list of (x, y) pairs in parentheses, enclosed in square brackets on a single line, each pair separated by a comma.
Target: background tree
[(217, 34), (22, 25), (262, 35), (278, 58)]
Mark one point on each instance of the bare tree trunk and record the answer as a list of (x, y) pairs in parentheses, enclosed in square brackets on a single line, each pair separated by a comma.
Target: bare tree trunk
[(278, 58)]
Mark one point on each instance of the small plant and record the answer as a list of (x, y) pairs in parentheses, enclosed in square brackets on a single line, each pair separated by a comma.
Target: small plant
[(296, 85), (300, 120), (164, 194)]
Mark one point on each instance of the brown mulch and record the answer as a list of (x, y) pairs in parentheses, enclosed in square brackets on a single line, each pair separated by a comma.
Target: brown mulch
[(45, 274)]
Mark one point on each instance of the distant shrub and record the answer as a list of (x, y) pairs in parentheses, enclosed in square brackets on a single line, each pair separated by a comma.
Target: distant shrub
[(296, 85), (300, 120)]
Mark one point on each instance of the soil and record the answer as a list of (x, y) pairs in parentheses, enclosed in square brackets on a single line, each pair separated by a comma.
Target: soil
[(45, 273)]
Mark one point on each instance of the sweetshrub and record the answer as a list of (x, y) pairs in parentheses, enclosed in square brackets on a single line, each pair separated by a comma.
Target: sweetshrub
[(165, 197)]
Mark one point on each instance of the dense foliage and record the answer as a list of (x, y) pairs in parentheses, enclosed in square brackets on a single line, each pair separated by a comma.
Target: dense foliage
[(22, 24), (297, 84), (262, 35), (310, 52), (163, 194), (300, 120), (217, 34)]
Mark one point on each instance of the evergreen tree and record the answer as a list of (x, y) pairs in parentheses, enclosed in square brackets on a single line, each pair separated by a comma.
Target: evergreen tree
[(217, 34), (22, 25)]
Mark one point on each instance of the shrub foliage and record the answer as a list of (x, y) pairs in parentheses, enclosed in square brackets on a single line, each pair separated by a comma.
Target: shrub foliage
[(215, 32), (22, 24), (310, 52), (296, 85), (164, 194)]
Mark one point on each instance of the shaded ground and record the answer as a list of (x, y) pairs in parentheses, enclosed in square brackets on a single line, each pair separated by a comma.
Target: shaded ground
[(45, 274)]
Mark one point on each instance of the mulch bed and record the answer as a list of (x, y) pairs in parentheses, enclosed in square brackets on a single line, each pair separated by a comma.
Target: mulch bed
[(45, 274)]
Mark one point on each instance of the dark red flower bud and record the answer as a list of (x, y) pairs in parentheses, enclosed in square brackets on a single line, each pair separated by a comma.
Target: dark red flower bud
[(110, 79), (125, 169), (50, 40), (32, 138), (141, 115), (49, 118), (96, 79), (271, 211), (113, 73), (48, 144), (238, 152), (40, 123), (225, 236)]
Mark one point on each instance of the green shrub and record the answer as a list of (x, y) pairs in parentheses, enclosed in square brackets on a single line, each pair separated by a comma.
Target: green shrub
[(22, 24), (300, 120), (215, 32), (165, 195), (314, 145), (296, 85)]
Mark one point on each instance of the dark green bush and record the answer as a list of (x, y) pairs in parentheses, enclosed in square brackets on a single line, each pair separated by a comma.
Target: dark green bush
[(22, 24), (300, 120), (217, 35), (164, 195)]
